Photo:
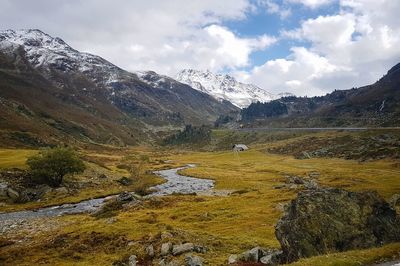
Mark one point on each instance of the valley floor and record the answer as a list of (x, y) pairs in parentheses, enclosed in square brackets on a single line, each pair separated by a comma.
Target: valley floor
[(224, 224)]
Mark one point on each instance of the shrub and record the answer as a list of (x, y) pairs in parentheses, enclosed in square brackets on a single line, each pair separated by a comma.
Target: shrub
[(51, 165)]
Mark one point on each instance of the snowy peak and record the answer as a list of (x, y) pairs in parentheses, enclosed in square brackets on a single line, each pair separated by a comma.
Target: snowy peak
[(224, 87)]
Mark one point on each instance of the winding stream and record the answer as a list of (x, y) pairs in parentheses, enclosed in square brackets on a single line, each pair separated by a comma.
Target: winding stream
[(176, 183)]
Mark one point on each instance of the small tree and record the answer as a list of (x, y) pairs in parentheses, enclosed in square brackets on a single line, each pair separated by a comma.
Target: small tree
[(51, 165)]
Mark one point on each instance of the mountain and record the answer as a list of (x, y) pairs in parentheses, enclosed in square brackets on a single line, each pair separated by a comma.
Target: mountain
[(50, 91), (225, 87), (373, 105)]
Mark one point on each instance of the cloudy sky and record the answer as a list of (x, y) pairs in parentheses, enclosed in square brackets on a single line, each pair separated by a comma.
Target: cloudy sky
[(307, 47)]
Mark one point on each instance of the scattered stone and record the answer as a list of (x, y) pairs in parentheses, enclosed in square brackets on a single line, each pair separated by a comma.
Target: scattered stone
[(395, 200), (150, 251), (200, 249), (125, 196), (329, 220), (166, 248), (273, 257), (12, 194), (132, 260), (252, 255), (192, 260), (180, 249), (3, 190), (233, 259)]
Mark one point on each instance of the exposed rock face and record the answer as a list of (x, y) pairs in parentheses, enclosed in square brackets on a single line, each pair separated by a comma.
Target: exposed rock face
[(334, 220)]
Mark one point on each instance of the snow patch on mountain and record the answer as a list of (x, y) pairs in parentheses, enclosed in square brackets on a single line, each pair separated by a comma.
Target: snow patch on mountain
[(225, 87)]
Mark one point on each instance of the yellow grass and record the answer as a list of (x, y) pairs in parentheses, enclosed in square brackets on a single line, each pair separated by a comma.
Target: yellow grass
[(10, 158), (229, 224)]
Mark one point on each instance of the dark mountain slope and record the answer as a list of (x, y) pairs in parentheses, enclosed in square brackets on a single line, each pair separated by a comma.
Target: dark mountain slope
[(373, 105), (50, 91)]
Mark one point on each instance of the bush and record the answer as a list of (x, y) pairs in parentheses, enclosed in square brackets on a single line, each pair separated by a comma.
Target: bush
[(51, 165)]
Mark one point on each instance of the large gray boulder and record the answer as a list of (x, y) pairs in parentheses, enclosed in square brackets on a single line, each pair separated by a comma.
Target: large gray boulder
[(333, 220)]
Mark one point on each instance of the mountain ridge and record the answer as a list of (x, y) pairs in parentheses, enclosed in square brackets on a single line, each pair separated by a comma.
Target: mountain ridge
[(225, 87), (37, 65)]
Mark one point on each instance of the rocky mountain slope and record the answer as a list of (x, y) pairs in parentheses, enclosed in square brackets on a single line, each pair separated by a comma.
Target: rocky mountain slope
[(51, 91), (225, 87), (377, 105)]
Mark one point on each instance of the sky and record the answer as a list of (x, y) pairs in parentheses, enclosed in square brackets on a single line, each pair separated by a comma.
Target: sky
[(306, 47)]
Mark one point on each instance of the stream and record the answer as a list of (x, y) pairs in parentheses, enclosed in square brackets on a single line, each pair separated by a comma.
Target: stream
[(176, 183)]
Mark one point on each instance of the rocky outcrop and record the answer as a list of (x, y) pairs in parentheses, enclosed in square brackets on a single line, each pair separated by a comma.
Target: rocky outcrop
[(334, 220)]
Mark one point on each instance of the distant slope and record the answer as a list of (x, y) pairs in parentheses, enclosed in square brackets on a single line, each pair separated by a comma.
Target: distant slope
[(49, 91), (225, 87), (373, 105)]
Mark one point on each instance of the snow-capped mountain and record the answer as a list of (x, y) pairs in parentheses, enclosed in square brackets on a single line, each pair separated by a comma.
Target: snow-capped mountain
[(225, 87), (97, 94)]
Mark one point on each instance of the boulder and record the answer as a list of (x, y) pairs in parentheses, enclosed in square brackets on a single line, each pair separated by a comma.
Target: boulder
[(252, 255), (180, 249), (233, 259), (132, 260), (192, 260), (166, 248), (273, 257), (150, 251), (102, 176), (395, 200), (329, 220)]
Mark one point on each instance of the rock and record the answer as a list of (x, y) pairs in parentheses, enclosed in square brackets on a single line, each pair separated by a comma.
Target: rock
[(125, 196), (273, 257), (330, 220), (166, 248), (102, 176), (150, 251), (233, 259), (200, 249), (132, 260), (3, 190), (252, 255), (192, 260), (12, 194), (179, 249), (395, 200)]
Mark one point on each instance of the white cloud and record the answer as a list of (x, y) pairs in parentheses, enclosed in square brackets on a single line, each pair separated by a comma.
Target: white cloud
[(352, 48), (164, 36), (312, 3), (274, 8)]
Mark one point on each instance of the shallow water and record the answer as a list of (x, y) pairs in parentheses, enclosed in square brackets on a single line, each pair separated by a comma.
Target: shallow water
[(176, 183)]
